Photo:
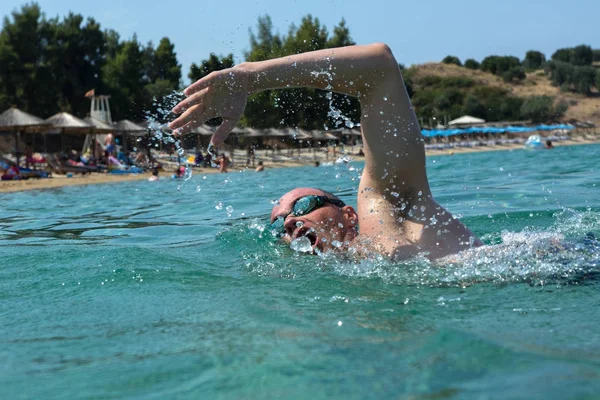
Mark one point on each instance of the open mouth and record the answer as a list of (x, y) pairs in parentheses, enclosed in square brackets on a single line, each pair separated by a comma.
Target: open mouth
[(311, 235)]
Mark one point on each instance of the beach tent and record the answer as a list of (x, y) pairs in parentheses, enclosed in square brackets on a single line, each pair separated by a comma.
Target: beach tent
[(64, 123), (17, 121), (466, 120)]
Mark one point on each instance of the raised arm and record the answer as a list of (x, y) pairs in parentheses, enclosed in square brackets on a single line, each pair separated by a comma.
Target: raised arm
[(394, 171), (390, 130)]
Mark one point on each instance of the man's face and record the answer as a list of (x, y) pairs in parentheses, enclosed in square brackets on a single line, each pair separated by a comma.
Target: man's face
[(326, 227)]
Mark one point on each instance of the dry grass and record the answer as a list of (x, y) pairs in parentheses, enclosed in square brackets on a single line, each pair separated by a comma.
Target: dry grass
[(536, 83)]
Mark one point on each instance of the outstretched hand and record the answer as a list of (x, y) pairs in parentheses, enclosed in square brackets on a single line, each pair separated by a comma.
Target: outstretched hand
[(219, 94)]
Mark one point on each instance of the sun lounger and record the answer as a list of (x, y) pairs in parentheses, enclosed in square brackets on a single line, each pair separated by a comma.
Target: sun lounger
[(57, 166)]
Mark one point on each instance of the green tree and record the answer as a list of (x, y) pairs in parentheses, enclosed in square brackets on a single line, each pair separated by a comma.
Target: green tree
[(538, 108), (472, 64), (561, 73), (341, 36), (560, 109), (498, 65), (563, 55), (213, 63), (473, 106), (165, 65), (583, 79), (514, 74), (125, 80), (582, 55), (452, 60), (75, 54), (265, 44), (596, 55), (22, 62), (534, 60)]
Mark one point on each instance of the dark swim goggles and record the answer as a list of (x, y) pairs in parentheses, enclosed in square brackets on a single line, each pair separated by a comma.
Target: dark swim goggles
[(303, 206)]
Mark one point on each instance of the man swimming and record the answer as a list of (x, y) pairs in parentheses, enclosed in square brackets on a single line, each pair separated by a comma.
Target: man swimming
[(396, 212)]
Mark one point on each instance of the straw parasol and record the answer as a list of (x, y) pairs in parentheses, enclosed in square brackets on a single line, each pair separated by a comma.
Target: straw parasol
[(63, 123), (98, 127), (17, 121), (130, 128)]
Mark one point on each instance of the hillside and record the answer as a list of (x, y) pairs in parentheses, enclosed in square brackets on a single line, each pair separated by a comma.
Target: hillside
[(581, 108)]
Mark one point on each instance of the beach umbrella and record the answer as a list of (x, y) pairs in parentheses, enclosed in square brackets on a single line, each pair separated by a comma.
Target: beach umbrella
[(128, 128), (98, 127), (65, 123), (17, 121)]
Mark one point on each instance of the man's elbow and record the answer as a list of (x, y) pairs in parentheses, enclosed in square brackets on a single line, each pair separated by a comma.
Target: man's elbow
[(382, 58), (383, 54)]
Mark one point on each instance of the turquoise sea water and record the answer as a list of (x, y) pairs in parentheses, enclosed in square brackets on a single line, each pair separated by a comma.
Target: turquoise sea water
[(167, 290)]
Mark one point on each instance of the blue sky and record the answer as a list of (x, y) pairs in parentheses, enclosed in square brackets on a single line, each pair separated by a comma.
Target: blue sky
[(417, 31)]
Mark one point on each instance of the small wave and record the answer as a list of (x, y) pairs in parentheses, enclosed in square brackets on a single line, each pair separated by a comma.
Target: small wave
[(565, 253)]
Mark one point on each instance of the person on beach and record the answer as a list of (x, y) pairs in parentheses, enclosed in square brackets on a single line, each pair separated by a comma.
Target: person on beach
[(260, 167), (223, 162), (396, 214)]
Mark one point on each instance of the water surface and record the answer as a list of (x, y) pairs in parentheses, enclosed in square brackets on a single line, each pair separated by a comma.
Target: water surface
[(174, 290)]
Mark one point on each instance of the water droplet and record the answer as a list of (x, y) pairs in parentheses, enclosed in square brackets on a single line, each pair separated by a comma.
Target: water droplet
[(301, 244), (336, 243)]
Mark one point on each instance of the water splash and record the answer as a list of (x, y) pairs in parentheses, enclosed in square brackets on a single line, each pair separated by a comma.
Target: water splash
[(157, 124), (334, 113)]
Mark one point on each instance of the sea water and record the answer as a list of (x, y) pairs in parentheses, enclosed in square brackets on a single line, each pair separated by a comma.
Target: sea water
[(177, 290)]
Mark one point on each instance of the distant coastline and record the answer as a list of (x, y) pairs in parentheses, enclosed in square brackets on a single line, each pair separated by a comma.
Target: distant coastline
[(60, 181)]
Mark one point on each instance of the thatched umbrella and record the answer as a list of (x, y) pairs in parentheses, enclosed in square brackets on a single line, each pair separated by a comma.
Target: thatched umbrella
[(17, 121), (98, 127), (275, 135), (64, 123), (128, 128)]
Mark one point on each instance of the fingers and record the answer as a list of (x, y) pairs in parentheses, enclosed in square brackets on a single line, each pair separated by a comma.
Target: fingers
[(192, 115), (191, 100), (187, 128), (223, 131), (200, 84)]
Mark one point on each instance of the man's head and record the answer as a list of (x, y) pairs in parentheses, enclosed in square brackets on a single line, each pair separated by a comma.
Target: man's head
[(322, 217)]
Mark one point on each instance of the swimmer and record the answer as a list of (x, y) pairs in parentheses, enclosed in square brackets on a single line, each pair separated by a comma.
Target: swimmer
[(154, 176), (260, 167), (396, 214)]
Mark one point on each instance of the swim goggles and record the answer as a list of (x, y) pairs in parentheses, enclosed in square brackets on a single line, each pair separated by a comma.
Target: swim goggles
[(303, 206)]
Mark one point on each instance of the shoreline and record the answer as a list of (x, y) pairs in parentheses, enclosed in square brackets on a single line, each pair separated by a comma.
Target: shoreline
[(58, 181)]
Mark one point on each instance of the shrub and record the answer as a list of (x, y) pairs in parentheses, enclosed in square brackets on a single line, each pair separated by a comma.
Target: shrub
[(452, 60), (472, 64), (537, 108)]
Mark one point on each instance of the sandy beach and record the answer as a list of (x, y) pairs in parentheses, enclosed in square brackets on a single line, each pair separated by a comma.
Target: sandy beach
[(58, 181)]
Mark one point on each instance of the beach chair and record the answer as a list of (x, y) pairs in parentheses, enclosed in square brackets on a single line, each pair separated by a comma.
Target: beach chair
[(57, 166)]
